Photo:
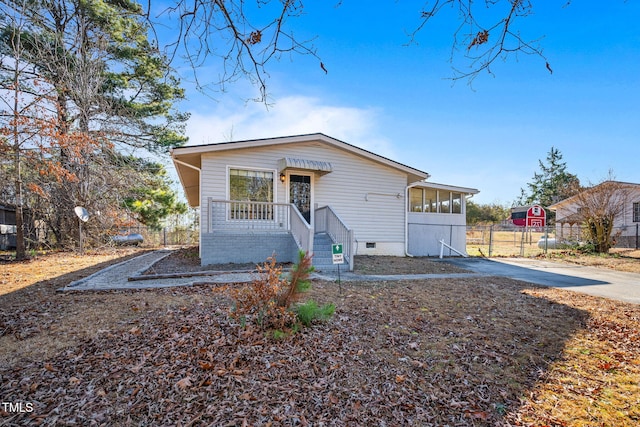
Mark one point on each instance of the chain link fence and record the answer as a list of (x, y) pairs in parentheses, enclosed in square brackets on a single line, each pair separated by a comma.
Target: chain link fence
[(501, 240), (178, 236), (507, 240)]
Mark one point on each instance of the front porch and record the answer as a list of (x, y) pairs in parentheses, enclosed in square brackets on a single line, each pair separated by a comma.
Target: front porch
[(244, 231)]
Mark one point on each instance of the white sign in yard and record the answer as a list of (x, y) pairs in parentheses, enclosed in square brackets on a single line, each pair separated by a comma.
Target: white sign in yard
[(336, 252)]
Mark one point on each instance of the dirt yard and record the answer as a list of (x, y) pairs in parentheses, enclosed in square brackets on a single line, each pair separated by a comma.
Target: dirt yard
[(464, 352)]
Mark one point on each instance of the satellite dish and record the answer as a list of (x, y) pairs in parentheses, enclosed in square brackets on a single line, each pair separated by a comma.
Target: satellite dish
[(81, 213)]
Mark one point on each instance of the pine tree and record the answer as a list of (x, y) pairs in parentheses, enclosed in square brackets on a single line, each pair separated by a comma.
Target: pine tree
[(102, 86), (552, 184)]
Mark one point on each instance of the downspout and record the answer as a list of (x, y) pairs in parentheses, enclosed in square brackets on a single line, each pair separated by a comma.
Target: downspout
[(406, 216)]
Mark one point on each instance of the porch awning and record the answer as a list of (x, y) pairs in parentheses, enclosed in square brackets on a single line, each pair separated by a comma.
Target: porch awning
[(310, 165)]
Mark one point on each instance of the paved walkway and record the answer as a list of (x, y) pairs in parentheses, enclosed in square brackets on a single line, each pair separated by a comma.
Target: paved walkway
[(117, 276), (594, 281)]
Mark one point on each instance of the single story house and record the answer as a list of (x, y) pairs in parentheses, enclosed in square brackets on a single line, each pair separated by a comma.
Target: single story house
[(257, 197), (625, 195)]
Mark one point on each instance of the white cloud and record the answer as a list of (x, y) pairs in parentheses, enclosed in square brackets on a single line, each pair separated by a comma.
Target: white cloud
[(293, 115)]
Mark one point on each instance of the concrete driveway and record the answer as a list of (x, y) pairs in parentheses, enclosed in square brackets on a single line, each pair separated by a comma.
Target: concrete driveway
[(589, 280)]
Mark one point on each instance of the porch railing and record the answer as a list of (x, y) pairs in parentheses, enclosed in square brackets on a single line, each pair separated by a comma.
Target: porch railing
[(328, 221), (300, 229), (259, 216)]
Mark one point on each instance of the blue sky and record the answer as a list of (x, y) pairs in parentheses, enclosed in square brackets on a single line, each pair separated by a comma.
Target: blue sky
[(396, 99)]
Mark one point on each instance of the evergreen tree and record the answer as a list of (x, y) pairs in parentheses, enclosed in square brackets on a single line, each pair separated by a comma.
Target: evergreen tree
[(152, 199), (552, 184), (102, 86)]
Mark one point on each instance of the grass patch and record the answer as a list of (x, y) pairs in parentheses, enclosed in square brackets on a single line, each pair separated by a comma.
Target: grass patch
[(309, 312)]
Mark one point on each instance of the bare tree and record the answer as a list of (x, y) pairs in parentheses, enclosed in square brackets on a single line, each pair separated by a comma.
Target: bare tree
[(22, 111), (598, 207)]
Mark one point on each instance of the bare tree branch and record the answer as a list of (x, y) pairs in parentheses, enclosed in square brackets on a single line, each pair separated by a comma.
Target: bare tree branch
[(245, 39), (486, 39)]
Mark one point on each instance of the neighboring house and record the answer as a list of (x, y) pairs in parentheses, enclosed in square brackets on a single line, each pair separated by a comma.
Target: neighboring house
[(280, 195), (569, 222), (7, 227)]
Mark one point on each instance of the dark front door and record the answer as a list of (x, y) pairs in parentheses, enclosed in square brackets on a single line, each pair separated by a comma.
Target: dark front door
[(300, 194)]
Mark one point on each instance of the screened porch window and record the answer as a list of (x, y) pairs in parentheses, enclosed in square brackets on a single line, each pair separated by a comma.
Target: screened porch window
[(456, 203), (251, 186), (445, 201), (416, 200), (434, 201)]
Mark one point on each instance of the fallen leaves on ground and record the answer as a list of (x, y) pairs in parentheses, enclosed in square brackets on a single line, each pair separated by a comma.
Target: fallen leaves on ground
[(463, 352)]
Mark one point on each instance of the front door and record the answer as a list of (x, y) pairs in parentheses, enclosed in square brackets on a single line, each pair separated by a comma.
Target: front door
[(300, 194)]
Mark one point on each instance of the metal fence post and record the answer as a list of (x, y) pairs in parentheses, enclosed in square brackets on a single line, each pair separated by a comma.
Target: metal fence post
[(490, 240), (546, 238)]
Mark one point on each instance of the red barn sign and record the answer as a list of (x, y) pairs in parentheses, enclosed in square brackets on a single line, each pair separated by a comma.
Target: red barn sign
[(536, 216), (529, 216)]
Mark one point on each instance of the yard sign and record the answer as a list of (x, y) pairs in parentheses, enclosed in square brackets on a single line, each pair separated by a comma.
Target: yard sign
[(336, 252)]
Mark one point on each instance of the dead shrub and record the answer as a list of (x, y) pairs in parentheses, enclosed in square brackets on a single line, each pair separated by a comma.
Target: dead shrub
[(266, 301)]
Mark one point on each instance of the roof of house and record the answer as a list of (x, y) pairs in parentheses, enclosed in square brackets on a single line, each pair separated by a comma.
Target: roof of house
[(446, 187), (188, 159), (570, 200)]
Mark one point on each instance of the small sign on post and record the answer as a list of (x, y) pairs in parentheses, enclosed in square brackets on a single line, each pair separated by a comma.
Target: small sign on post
[(338, 258), (336, 252)]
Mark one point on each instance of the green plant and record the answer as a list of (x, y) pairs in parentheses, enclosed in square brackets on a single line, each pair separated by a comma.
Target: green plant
[(309, 311), (299, 281), (277, 334), (268, 298), (587, 248)]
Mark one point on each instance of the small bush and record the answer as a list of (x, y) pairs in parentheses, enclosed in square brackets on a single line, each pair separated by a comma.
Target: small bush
[(268, 298), (310, 311)]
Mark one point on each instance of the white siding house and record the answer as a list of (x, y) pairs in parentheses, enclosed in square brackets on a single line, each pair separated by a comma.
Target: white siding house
[(282, 194), (626, 224)]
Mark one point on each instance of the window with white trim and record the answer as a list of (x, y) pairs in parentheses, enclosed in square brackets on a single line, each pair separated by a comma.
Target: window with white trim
[(636, 212), (251, 185), (251, 192)]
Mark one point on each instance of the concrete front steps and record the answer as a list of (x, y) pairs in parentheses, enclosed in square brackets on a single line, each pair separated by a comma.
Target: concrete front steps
[(322, 256)]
